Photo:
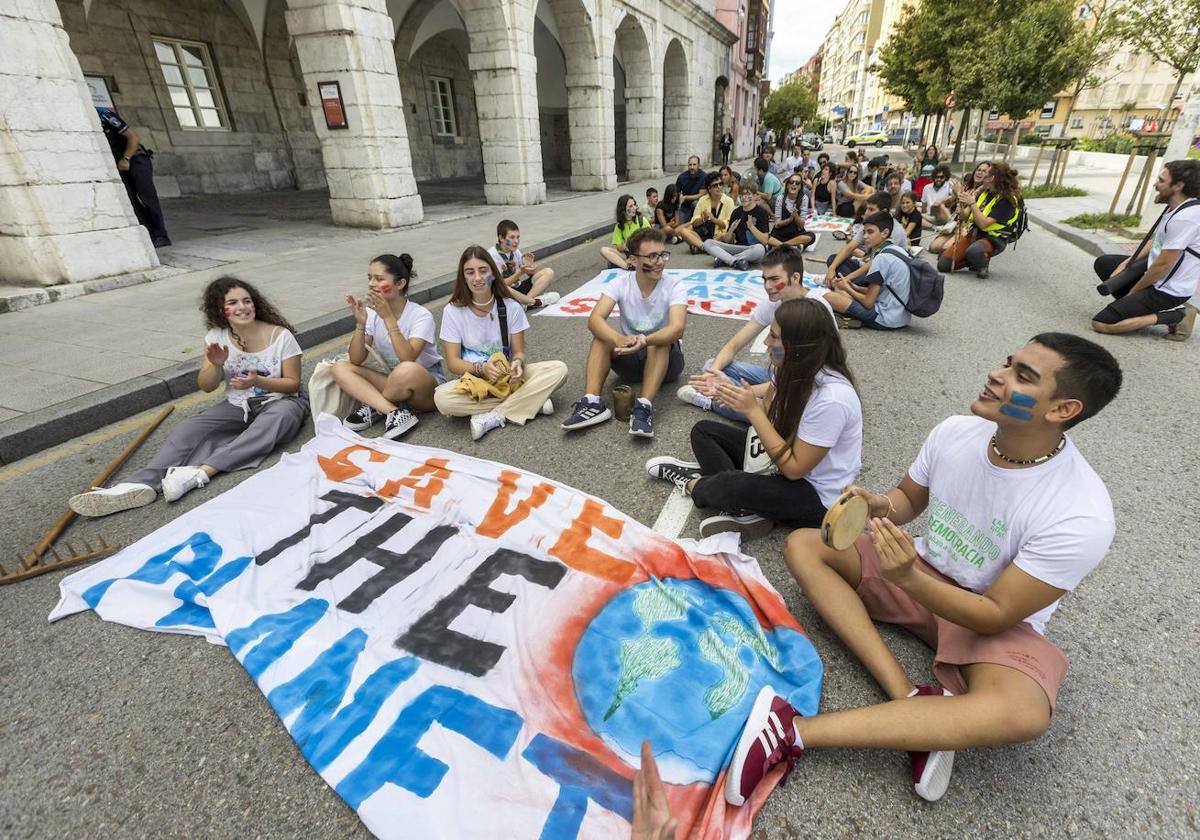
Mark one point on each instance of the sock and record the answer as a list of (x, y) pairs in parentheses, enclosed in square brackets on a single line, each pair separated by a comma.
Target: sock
[(796, 729), (1171, 317), (593, 398), (645, 402)]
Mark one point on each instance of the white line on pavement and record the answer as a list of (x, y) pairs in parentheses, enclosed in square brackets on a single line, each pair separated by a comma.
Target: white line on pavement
[(673, 516)]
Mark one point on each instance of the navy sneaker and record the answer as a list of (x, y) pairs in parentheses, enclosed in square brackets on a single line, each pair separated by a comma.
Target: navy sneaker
[(587, 413), (641, 421)]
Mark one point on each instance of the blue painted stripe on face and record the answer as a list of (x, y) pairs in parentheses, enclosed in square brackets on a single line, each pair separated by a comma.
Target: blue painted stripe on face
[(1015, 413), (1017, 398)]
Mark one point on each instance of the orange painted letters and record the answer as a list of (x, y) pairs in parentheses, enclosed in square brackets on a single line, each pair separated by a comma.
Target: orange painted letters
[(498, 518), (573, 550), (423, 494)]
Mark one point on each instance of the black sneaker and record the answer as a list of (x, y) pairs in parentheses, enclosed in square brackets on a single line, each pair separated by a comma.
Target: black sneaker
[(398, 422), (641, 422), (982, 273), (748, 525), (587, 413), (363, 417), (673, 470), (741, 265)]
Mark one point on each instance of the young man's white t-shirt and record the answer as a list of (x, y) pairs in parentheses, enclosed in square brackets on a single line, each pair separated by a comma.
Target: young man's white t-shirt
[(267, 362), (1053, 520), (414, 322), (833, 418), (478, 337), (514, 259), (764, 312), (644, 314), (1178, 231), (931, 195)]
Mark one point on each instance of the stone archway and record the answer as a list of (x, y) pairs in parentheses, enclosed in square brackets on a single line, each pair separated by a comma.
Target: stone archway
[(643, 124), (676, 102)]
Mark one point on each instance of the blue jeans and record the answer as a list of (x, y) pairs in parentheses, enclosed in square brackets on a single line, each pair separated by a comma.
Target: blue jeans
[(868, 316), (686, 211), (737, 371), (848, 265)]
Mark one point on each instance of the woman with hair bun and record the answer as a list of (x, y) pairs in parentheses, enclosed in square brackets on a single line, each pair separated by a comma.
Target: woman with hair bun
[(250, 347), (403, 335)]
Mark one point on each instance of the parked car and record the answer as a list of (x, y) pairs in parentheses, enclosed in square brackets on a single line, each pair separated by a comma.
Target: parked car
[(811, 141), (867, 138), (896, 137)]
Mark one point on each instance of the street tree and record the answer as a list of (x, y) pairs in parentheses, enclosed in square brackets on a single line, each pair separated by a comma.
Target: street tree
[(1170, 31), (787, 103)]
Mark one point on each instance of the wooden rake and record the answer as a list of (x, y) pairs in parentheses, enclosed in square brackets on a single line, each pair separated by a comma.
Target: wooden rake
[(45, 557)]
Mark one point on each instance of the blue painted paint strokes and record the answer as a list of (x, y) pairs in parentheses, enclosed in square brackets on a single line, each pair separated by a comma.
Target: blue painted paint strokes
[(281, 631), (160, 567), (1017, 398), (327, 743), (1015, 413), (697, 651), (193, 614), (318, 689), (580, 778), (397, 759)]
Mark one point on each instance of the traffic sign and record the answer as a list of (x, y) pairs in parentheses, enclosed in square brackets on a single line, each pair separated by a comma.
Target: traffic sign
[(950, 100)]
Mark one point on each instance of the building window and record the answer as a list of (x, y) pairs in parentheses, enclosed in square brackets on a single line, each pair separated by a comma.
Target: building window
[(1048, 109), (441, 100), (192, 83), (993, 115), (1076, 122)]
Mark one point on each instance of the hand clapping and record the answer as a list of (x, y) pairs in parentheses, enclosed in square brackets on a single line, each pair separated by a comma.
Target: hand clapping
[(381, 305), (216, 354), (358, 309), (739, 398)]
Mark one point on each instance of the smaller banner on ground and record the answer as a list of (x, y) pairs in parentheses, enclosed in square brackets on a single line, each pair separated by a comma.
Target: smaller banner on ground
[(724, 293), (828, 222)]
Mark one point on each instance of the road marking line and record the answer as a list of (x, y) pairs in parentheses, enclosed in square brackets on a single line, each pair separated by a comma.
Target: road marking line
[(121, 427), (673, 516), (759, 345)]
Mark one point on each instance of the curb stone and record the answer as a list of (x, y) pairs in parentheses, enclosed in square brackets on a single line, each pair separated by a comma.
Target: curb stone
[(35, 431)]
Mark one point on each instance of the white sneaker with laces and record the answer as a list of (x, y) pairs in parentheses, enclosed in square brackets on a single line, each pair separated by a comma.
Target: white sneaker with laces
[(181, 480), (691, 396), (481, 424), (549, 298), (103, 501)]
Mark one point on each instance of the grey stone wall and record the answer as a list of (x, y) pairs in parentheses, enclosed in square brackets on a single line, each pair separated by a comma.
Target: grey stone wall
[(292, 100), (115, 39), (441, 157)]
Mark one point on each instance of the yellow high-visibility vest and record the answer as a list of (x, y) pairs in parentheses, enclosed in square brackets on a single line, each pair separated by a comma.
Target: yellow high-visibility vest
[(985, 201)]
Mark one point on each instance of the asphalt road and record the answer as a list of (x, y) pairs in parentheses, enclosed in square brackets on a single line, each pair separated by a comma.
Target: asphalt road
[(112, 732)]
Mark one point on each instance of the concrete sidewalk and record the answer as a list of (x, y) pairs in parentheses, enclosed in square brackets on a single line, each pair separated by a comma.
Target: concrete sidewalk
[(74, 365)]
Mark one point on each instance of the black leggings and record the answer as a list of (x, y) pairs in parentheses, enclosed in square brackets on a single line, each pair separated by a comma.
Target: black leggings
[(720, 449)]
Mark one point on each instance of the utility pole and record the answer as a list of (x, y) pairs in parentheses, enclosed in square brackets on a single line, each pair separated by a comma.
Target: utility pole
[(1186, 127)]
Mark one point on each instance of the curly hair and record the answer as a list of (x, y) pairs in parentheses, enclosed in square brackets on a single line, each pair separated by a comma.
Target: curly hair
[(212, 304), (1005, 180)]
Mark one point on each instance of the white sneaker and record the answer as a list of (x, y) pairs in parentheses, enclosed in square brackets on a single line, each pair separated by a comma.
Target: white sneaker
[(181, 480), (543, 300), (481, 424), (119, 497), (548, 407), (691, 396)]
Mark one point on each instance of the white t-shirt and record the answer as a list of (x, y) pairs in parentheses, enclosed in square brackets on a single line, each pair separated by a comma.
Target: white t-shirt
[(267, 362), (414, 322), (833, 418), (480, 337), (1179, 231), (1054, 520), (931, 195), (507, 268), (644, 314), (764, 312)]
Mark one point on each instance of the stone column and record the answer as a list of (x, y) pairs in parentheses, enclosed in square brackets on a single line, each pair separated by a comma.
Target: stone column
[(643, 128), (64, 214), (593, 153), (368, 165), (504, 69)]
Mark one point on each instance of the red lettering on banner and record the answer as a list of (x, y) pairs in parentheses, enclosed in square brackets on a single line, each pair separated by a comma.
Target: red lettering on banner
[(423, 494), (579, 306), (341, 468), (499, 519), (573, 550)]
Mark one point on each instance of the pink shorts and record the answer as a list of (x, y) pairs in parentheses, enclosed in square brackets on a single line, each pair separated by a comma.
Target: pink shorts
[(1020, 647)]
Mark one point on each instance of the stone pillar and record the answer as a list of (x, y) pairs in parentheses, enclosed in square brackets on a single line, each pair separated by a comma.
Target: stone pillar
[(504, 69), (643, 128), (64, 214), (368, 165), (593, 153)]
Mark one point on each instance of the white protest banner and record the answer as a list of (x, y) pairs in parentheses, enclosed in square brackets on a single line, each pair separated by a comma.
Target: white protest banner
[(828, 222), (458, 646), (726, 294)]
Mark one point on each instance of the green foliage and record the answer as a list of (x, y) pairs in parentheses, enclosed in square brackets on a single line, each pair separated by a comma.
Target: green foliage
[(1100, 221), (816, 126), (1194, 153), (1165, 28), (1114, 143), (1052, 191), (795, 99)]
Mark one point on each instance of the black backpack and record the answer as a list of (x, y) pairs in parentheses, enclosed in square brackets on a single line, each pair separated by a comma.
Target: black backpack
[(1016, 228), (926, 286)]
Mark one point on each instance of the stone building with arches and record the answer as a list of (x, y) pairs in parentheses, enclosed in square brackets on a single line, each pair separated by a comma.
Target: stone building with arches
[(367, 98)]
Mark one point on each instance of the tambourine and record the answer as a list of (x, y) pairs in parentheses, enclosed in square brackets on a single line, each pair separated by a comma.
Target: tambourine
[(844, 521)]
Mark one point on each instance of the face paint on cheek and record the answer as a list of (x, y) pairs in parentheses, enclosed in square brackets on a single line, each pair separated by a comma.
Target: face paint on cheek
[(1016, 398), (385, 288), (776, 354)]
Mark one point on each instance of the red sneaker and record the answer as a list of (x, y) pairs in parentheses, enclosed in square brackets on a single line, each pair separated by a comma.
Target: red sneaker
[(769, 738), (931, 769)]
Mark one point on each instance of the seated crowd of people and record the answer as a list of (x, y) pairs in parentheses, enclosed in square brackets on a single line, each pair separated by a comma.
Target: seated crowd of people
[(1017, 516)]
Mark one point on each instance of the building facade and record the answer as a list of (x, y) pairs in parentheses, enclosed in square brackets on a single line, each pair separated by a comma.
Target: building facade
[(365, 97), (741, 117)]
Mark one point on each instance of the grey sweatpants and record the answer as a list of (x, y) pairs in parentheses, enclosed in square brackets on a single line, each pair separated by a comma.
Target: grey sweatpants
[(221, 438), (728, 253)]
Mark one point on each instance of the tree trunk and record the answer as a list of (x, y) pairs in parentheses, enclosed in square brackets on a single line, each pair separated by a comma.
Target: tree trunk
[(1010, 153), (978, 136), (924, 127), (962, 132), (937, 125)]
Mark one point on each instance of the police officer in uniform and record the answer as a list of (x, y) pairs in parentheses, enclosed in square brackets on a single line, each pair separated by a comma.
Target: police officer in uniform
[(137, 172)]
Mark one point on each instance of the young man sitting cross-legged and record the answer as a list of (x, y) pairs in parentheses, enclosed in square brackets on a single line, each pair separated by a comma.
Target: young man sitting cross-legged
[(653, 313), (1017, 518), (526, 280)]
